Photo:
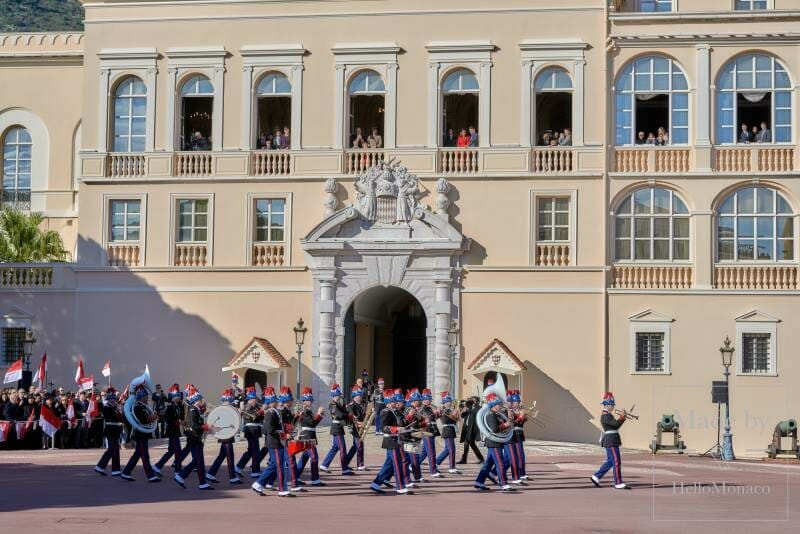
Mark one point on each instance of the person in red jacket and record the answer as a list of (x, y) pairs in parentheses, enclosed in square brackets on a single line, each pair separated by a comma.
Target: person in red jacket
[(463, 139)]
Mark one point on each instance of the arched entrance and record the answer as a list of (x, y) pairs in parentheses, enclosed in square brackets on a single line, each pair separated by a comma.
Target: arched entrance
[(385, 333)]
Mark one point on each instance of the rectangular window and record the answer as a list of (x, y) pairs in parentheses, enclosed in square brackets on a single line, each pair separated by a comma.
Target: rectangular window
[(649, 351), (750, 5), (13, 340), (125, 220), (756, 353), (193, 221), (552, 219), (655, 6), (270, 223)]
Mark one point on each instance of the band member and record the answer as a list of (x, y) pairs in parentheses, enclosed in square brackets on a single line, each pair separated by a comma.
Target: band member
[(496, 423), (339, 418), (288, 419), (145, 416), (449, 419), (378, 405), (509, 449), (308, 421), (357, 413), (428, 452), (414, 422), (112, 430), (172, 418), (274, 437), (392, 425), (519, 417), (253, 417), (612, 442), (469, 429), (195, 427), (225, 449)]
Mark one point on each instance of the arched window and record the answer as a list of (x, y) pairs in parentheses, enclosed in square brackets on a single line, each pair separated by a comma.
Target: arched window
[(553, 107), (274, 108), (17, 151), (754, 91), (460, 99), (367, 100), (651, 224), (130, 115), (197, 113), (651, 96), (755, 224)]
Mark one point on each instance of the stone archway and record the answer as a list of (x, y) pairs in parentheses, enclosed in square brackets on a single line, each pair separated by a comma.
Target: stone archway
[(388, 239)]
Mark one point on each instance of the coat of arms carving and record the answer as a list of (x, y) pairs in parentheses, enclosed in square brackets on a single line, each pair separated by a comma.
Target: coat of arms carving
[(387, 193)]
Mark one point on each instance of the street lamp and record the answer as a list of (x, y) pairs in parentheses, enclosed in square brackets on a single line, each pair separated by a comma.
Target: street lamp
[(727, 437), (452, 338), (299, 339), (29, 342)]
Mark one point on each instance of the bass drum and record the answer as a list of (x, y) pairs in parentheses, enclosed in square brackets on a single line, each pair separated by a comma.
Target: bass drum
[(226, 419)]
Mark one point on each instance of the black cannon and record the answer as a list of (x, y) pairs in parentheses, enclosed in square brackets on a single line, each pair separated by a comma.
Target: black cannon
[(668, 424), (784, 430)]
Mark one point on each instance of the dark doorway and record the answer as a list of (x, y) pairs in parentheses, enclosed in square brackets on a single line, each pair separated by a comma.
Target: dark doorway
[(460, 111), (754, 108), (492, 375), (410, 347), (553, 114), (252, 376), (652, 113), (274, 112), (366, 113), (197, 112)]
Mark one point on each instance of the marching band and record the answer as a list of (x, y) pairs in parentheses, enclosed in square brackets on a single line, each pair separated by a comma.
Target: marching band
[(409, 426)]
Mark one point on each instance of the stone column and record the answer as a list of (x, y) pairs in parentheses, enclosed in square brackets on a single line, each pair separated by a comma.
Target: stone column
[(578, 95), (702, 110), (327, 332), (172, 116), (246, 142), (485, 106), (526, 95), (441, 365), (219, 106), (702, 234), (297, 108), (339, 108), (150, 133), (390, 129), (433, 105), (103, 95)]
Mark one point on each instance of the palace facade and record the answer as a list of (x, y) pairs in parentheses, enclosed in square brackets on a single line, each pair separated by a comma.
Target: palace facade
[(220, 168)]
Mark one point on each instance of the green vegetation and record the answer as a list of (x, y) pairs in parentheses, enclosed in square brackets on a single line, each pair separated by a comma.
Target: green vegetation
[(40, 15), (22, 239)]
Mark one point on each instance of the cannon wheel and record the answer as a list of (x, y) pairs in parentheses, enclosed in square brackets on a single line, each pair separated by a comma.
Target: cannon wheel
[(771, 452), (654, 446)]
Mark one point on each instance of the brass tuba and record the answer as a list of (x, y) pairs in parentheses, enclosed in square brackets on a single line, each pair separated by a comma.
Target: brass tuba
[(498, 388), (144, 427)]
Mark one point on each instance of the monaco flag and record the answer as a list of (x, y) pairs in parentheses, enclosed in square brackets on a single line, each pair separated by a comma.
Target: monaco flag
[(107, 369), (14, 373), (79, 372), (49, 421), (92, 411), (41, 372), (87, 383)]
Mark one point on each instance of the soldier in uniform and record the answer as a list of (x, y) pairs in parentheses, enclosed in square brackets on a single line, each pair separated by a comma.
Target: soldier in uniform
[(357, 413), (274, 438), (308, 421), (429, 415), (414, 422), (449, 419), (225, 449), (339, 419), (519, 417), (253, 417), (145, 416), (288, 419), (392, 425), (172, 417), (496, 423), (378, 405), (195, 428), (612, 442), (509, 449), (112, 430)]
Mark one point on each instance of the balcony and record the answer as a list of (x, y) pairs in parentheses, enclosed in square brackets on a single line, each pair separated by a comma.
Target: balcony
[(754, 158), (652, 159), (268, 255), (756, 277), (123, 254), (650, 276), (552, 254), (191, 255), (26, 276)]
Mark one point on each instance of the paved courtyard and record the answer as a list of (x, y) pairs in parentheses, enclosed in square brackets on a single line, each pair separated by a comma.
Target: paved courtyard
[(57, 491)]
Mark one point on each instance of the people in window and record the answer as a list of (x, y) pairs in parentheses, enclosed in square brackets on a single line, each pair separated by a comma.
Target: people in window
[(375, 139), (463, 139), (199, 142), (651, 139), (357, 139), (744, 134), (277, 139), (565, 138), (641, 139), (764, 135), (450, 138), (754, 134), (287, 138), (473, 137)]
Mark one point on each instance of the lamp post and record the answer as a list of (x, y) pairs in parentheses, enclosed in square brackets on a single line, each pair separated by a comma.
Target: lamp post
[(727, 437), (27, 350), (452, 338), (299, 339)]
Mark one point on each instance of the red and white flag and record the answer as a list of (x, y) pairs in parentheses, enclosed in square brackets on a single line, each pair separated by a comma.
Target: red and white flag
[(49, 421), (79, 372), (5, 430), (73, 421), (14, 373), (125, 393), (24, 428), (92, 411), (41, 372), (87, 383), (107, 369)]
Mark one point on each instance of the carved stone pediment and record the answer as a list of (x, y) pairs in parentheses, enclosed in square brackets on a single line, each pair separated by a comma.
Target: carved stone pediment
[(387, 194)]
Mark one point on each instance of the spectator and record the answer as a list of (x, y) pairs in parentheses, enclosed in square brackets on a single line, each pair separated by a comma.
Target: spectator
[(651, 139), (13, 411), (267, 144), (159, 403), (199, 143), (357, 139), (764, 135), (553, 142), (463, 139), (641, 139), (744, 135), (450, 139), (80, 434), (375, 139), (287, 139), (546, 139), (277, 139), (663, 134), (473, 137), (261, 141), (566, 138)]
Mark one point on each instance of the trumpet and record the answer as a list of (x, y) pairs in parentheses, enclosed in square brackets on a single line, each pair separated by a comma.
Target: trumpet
[(627, 413)]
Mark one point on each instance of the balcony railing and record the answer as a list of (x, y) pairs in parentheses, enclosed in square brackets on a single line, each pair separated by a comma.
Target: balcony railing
[(755, 158), (193, 164), (357, 161), (26, 276), (123, 254), (553, 159), (191, 255), (459, 160), (268, 254), (127, 165), (648, 276), (644, 159), (756, 277), (271, 163), (552, 254)]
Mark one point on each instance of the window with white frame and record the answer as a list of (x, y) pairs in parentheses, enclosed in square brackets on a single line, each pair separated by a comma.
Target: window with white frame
[(270, 220), (193, 221), (754, 91), (197, 113), (274, 111), (17, 168), (651, 224), (750, 5), (755, 224), (553, 107), (130, 115), (651, 97), (13, 344), (125, 221), (460, 107), (553, 216), (367, 104), (757, 344), (653, 6), (650, 343), (649, 352)]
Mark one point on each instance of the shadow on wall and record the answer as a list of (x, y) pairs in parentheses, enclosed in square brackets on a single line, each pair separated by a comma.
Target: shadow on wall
[(476, 254), (561, 417)]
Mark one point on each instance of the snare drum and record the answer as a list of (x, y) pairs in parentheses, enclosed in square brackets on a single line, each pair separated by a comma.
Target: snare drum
[(300, 445), (411, 448)]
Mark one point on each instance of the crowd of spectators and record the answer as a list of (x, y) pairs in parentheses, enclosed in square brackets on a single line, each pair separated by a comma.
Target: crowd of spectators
[(373, 140), (660, 138), (280, 139), (754, 135), (555, 139), (466, 138)]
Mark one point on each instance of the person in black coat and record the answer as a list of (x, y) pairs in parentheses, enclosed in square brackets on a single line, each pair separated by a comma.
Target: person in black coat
[(172, 416), (195, 428), (469, 430), (308, 421), (339, 419), (497, 423), (392, 425), (611, 442), (112, 430), (274, 437), (225, 448), (449, 419), (253, 417), (159, 405), (144, 416)]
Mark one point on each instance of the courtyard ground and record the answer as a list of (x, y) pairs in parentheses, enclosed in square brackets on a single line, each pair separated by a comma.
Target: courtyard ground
[(57, 491)]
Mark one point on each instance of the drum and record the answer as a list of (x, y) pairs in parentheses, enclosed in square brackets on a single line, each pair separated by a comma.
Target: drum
[(226, 419), (411, 448), (299, 445), (421, 434)]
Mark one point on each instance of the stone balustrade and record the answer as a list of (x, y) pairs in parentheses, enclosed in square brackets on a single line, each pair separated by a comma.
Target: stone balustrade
[(459, 160), (754, 158), (553, 159), (25, 276), (756, 277), (648, 276), (268, 255), (671, 160), (191, 255), (193, 164), (552, 254), (123, 254), (127, 165), (661, 159), (357, 161), (271, 163)]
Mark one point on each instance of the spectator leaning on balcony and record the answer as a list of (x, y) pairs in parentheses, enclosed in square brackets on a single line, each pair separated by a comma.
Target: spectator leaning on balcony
[(463, 139), (651, 139), (664, 134), (641, 139), (744, 134), (450, 138), (764, 135), (375, 138), (546, 138), (199, 143), (286, 139), (357, 139), (565, 139), (473, 136)]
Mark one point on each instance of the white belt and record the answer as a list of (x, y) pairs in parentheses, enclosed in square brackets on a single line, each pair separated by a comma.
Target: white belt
[(308, 429), (253, 424), (611, 432), (337, 422), (449, 424), (113, 424), (518, 429)]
